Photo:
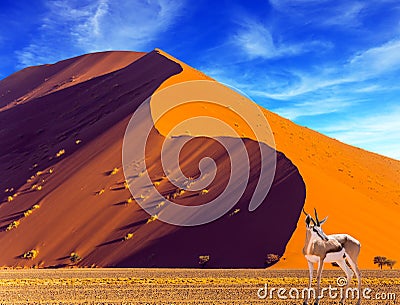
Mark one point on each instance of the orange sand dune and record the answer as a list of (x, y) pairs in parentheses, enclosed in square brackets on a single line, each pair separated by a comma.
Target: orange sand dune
[(59, 152), (359, 190)]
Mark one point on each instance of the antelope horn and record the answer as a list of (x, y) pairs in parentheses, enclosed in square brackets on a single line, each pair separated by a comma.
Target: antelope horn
[(305, 213), (316, 216)]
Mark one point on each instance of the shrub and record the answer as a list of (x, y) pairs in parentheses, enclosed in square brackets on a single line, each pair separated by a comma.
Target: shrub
[(98, 193), (36, 187), (160, 204), (152, 218), (128, 236), (234, 212), (380, 261), (390, 263), (30, 211), (31, 254), (272, 259), (203, 260), (13, 225), (203, 192), (114, 171), (74, 257), (60, 153)]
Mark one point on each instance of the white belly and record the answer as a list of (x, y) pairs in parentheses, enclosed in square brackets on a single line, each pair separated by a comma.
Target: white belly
[(330, 257)]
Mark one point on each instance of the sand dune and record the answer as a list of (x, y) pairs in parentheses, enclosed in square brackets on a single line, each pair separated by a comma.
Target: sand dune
[(359, 190), (64, 176), (33, 82), (62, 128)]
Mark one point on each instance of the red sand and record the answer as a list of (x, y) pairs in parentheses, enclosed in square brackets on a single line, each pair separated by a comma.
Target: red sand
[(33, 82), (83, 209)]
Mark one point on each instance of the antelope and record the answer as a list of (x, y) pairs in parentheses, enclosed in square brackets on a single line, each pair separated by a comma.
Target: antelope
[(321, 248)]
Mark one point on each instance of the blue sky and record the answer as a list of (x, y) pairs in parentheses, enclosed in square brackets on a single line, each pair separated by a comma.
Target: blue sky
[(333, 66)]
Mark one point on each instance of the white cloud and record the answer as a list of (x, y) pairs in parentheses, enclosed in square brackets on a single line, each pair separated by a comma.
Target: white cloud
[(256, 40), (377, 60), (322, 12), (371, 130), (315, 107), (122, 24), (35, 54), (306, 85), (348, 14), (367, 65), (74, 27), (369, 88)]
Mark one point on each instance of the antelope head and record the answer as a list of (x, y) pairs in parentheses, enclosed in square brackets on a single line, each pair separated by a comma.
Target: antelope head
[(313, 226)]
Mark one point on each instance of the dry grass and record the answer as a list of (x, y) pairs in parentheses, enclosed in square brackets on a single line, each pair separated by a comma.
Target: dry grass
[(203, 192), (128, 236), (13, 225), (234, 212), (100, 192), (36, 187), (60, 153), (160, 204), (168, 286), (30, 211), (114, 171), (152, 218)]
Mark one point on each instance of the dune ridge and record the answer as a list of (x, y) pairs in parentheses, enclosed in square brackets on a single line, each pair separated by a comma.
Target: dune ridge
[(85, 208), (69, 203), (359, 190), (33, 82)]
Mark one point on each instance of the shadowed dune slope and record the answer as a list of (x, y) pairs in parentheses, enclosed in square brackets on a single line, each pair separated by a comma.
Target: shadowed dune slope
[(33, 82), (60, 159), (33, 133)]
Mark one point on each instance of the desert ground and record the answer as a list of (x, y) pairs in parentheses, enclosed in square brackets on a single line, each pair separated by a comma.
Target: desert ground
[(174, 286)]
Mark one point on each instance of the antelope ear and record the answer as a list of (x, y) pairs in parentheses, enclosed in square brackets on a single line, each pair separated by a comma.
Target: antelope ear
[(323, 220), (308, 220)]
